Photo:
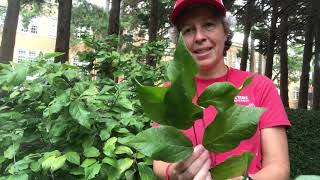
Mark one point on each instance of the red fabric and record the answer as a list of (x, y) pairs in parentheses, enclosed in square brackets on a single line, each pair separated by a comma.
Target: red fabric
[(260, 93), (181, 5)]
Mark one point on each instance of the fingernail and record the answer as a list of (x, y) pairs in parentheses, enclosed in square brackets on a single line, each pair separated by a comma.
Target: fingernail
[(198, 148)]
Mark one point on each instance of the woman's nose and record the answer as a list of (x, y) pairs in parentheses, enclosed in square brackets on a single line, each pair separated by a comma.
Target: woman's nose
[(199, 36)]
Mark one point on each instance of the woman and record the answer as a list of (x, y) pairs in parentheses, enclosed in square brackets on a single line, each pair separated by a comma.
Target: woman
[(207, 36)]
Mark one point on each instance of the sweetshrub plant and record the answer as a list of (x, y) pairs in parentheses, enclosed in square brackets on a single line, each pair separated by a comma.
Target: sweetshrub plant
[(56, 123), (172, 107)]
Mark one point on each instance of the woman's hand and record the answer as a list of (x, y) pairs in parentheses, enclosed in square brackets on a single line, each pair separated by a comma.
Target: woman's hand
[(195, 167)]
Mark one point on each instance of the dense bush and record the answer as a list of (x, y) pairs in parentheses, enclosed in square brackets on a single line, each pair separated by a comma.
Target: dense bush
[(304, 144)]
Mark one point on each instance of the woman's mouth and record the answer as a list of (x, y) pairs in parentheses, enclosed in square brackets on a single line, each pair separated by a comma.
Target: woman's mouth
[(202, 53)]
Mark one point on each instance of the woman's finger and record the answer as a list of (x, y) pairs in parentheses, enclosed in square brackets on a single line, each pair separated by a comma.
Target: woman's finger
[(185, 164), (203, 172)]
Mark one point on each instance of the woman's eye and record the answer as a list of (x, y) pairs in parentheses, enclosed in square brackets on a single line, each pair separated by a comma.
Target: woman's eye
[(209, 25), (186, 31)]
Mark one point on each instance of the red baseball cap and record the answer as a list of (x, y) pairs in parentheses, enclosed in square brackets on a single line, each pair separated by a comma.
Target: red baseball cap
[(181, 5)]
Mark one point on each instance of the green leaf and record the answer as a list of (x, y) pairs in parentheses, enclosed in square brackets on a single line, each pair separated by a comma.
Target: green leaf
[(104, 134), (308, 177), (246, 82), (124, 103), (77, 171), (230, 127), (110, 146), (179, 107), (145, 172), (52, 55), (151, 99), (232, 167), (58, 103), (78, 112), (91, 152), (58, 163), (163, 143), (88, 162), (19, 177), (124, 164), (92, 91), (91, 171), (110, 161), (47, 163), (35, 166), (183, 66), (2, 159), (11, 151), (20, 165), (18, 75), (220, 95), (73, 157), (123, 150)]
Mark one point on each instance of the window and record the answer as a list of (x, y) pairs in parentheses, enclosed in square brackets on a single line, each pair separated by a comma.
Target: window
[(21, 55), (32, 55), (34, 29), (52, 27), (296, 93)]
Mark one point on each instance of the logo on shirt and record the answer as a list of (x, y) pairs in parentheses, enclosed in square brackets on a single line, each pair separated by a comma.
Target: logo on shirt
[(243, 99)]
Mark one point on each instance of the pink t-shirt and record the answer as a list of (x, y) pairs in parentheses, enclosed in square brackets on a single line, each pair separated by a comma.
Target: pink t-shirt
[(260, 93)]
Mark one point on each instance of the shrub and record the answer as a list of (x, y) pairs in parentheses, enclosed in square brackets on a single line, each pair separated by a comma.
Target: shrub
[(304, 146), (56, 123)]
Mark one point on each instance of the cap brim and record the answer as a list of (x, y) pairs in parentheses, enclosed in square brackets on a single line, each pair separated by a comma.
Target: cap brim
[(185, 4)]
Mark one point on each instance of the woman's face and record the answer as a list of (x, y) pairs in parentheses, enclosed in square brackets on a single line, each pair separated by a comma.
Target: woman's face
[(204, 36)]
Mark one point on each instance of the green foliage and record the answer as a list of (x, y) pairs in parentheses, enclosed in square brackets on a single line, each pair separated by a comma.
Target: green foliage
[(109, 63), (95, 20), (57, 123), (303, 139), (173, 106), (232, 167)]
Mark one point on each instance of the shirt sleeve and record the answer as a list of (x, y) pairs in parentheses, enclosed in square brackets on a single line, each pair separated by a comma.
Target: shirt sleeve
[(275, 114)]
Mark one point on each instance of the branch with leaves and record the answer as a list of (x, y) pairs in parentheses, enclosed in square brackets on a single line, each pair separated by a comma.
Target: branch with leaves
[(172, 107)]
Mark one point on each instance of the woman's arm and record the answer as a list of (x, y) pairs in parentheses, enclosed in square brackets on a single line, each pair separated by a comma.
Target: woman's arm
[(275, 158)]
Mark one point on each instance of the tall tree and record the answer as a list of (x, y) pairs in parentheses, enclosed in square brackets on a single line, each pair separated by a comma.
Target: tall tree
[(247, 28), (153, 29), (63, 30), (114, 18), (271, 39), (9, 31), (316, 75), (252, 56), (283, 38), (307, 55)]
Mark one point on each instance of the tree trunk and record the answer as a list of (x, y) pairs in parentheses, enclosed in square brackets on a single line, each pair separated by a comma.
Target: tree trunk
[(252, 57), (284, 55), (9, 31), (247, 29), (153, 29), (307, 55), (63, 30), (260, 64), (114, 18), (271, 39), (107, 6), (316, 75)]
